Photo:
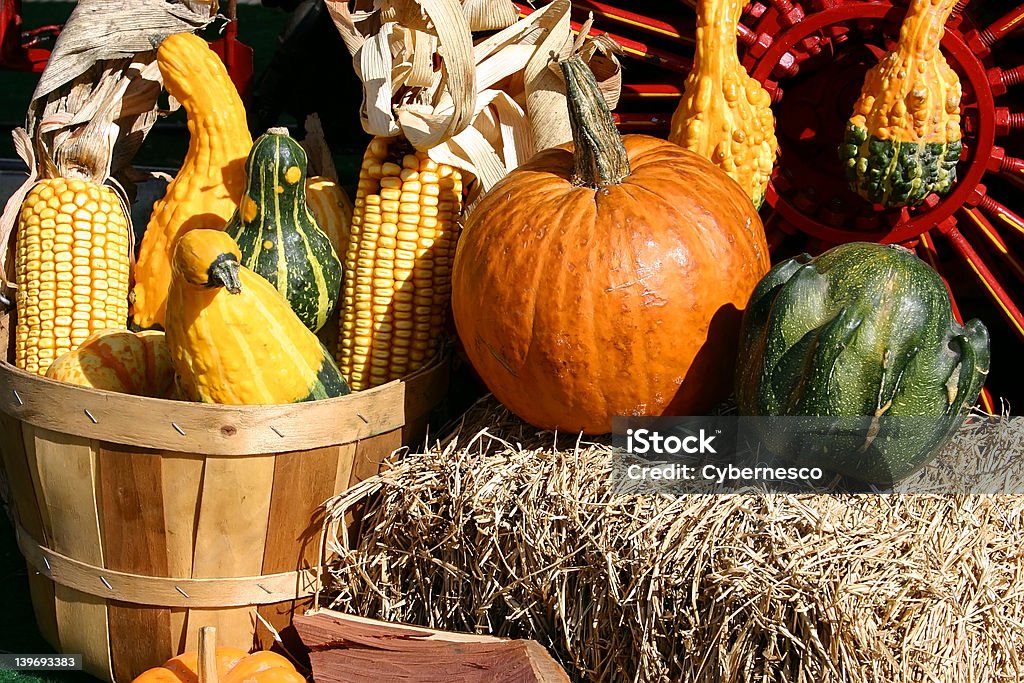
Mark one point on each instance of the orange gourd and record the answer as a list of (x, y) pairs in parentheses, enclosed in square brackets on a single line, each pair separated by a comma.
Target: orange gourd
[(210, 183), (118, 360), (233, 666), (724, 114), (607, 277)]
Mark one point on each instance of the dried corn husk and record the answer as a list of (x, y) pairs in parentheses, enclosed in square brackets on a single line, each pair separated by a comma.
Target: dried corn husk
[(490, 106), (97, 98)]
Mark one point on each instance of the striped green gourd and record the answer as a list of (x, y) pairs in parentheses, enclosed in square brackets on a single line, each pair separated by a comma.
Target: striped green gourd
[(863, 331), (277, 233)]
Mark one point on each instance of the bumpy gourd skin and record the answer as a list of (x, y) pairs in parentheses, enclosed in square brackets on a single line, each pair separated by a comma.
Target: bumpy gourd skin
[(862, 330), (725, 115), (209, 185), (902, 142), (277, 233), (233, 338)]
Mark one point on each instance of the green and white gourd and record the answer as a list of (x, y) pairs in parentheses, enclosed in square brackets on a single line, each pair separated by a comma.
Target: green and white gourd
[(278, 235)]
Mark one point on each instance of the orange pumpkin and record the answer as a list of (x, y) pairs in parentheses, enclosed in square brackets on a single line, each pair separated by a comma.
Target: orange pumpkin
[(607, 277), (118, 360), (233, 666)]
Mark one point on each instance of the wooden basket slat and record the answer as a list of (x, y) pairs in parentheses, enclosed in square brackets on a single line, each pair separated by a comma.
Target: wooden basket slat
[(371, 453), (44, 607), (65, 478), (134, 540), (422, 395), (200, 428), (234, 514), (24, 508), (296, 516), (19, 481), (237, 623), (346, 462), (145, 489), (182, 481)]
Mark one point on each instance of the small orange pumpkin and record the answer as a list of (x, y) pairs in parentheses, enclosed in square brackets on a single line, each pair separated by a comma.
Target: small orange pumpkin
[(233, 666), (607, 277), (118, 360)]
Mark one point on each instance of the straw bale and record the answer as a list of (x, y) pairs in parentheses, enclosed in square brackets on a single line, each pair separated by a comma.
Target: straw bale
[(504, 530)]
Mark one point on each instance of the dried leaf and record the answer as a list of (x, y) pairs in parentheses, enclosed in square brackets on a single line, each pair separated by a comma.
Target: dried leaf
[(97, 98), (545, 90), (489, 15), (511, 73), (99, 30), (321, 163)]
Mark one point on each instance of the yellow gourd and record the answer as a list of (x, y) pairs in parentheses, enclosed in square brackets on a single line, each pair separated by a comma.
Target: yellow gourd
[(119, 360), (233, 337), (902, 142), (209, 186), (724, 114), (332, 209)]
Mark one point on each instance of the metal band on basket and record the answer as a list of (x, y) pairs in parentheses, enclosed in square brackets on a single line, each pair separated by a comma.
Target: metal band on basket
[(164, 591)]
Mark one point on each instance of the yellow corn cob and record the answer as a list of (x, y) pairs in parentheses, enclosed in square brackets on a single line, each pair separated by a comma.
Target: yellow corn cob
[(398, 263), (71, 262)]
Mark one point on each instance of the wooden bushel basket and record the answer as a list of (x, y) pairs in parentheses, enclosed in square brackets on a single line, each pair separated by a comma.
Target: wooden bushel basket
[(142, 519)]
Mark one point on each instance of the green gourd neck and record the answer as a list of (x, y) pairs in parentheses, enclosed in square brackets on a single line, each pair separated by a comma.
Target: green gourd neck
[(599, 156)]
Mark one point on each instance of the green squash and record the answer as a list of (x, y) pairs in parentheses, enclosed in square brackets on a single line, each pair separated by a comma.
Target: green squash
[(863, 331), (277, 234)]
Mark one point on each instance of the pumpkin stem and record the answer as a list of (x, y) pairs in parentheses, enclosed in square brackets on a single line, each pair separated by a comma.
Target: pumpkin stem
[(208, 654), (600, 158)]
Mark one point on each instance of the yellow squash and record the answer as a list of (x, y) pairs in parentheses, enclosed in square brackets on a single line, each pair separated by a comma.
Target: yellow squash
[(332, 209), (233, 337), (902, 142), (207, 189), (725, 115)]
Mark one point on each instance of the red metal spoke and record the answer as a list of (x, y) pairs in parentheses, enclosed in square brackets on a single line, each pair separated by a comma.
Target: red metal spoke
[(966, 252), (644, 91), (644, 122), (959, 7), (638, 21), (926, 248), (633, 48), (981, 42), (1002, 79), (995, 239), (1002, 213), (1007, 121)]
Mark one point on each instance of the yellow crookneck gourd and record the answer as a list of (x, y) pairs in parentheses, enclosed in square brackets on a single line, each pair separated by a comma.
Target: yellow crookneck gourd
[(209, 186), (725, 115), (233, 337), (902, 142)]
